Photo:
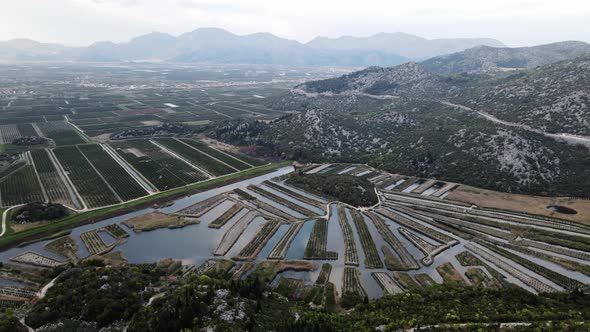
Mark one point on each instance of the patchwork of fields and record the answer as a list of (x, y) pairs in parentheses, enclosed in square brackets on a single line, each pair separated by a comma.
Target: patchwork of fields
[(408, 240)]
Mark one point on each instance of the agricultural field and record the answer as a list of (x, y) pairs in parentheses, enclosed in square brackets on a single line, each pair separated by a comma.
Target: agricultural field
[(406, 241), (20, 187), (350, 253), (372, 259), (124, 185), (92, 187), (60, 132), (316, 245), (160, 168), (204, 162), (56, 188)]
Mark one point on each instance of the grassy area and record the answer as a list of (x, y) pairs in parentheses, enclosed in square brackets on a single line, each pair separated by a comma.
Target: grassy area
[(267, 270), (155, 220), (67, 223), (64, 246), (449, 274)]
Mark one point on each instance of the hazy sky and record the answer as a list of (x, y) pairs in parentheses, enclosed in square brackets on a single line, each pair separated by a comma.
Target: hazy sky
[(81, 22)]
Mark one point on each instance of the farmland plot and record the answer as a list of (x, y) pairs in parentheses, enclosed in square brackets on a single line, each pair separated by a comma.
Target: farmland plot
[(350, 253), (194, 156), (217, 154), (60, 132), (124, 185), (264, 234), (318, 239), (88, 182), (21, 187), (372, 259), (352, 282), (161, 169), (9, 133), (280, 249), (54, 187)]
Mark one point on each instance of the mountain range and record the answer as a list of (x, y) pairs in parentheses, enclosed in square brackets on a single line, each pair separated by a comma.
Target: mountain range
[(212, 45), (512, 131)]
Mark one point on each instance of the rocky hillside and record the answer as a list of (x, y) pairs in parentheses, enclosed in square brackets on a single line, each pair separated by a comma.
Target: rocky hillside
[(494, 59), (408, 120)]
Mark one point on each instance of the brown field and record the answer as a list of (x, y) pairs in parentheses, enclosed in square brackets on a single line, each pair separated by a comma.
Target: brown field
[(522, 203), (155, 220)]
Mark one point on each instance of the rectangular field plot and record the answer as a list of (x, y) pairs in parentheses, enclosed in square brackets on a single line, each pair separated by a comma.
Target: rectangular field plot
[(21, 187), (161, 169), (219, 155), (124, 185), (196, 157), (60, 132), (90, 185), (54, 186)]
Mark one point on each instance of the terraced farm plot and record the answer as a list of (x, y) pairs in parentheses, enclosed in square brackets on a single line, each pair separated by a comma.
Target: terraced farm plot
[(51, 180), (218, 154), (116, 231), (226, 216), (20, 187), (324, 275), (425, 280), (64, 246), (280, 249), (429, 232), (94, 243), (295, 195), (386, 282), (528, 280), (161, 169), (352, 283), (318, 239), (93, 189), (264, 234), (406, 260), (291, 205), (233, 234), (350, 253), (196, 157), (126, 187), (372, 259), (406, 281), (34, 258), (449, 274), (561, 280), (200, 208), (60, 132)]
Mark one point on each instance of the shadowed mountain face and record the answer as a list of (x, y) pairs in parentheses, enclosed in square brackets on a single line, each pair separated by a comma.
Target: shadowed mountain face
[(491, 131), (212, 45), (491, 59)]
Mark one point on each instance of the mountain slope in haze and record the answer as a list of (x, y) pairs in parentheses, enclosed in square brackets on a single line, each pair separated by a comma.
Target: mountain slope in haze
[(402, 119), (212, 45), (26, 49), (490, 59), (404, 44)]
